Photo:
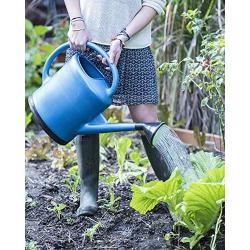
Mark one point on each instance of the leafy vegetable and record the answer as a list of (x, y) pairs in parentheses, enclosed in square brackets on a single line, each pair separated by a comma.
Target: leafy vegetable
[(146, 197), (203, 161), (196, 206)]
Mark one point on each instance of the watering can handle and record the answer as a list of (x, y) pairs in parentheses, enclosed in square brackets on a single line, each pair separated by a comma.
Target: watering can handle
[(91, 45)]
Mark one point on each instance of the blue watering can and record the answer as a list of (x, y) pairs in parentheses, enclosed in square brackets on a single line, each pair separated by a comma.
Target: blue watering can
[(71, 102)]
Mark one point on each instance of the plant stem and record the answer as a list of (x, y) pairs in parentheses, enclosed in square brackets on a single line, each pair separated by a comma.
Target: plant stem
[(217, 229)]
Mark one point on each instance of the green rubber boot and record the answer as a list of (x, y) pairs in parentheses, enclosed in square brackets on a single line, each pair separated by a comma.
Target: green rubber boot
[(87, 150), (156, 160)]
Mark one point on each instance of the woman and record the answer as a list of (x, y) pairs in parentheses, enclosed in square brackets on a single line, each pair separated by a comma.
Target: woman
[(123, 29)]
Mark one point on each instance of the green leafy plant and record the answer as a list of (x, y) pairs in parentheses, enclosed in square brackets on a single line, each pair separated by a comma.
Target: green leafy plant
[(203, 161), (135, 156), (73, 182), (121, 147), (57, 208), (28, 119), (90, 232), (63, 156), (206, 71), (60, 34), (36, 52), (139, 166), (110, 182), (196, 206)]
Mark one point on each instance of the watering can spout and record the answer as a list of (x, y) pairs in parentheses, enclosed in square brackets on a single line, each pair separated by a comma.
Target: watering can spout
[(100, 125), (149, 129)]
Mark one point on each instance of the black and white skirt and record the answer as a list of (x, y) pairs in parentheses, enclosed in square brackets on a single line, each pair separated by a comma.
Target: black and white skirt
[(136, 71)]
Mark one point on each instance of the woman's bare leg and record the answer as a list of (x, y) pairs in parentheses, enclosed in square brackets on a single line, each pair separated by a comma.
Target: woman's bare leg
[(143, 113)]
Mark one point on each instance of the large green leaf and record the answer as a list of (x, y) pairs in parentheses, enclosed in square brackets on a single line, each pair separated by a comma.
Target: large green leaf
[(202, 204), (214, 175), (203, 161), (195, 207), (146, 197), (41, 29), (121, 146)]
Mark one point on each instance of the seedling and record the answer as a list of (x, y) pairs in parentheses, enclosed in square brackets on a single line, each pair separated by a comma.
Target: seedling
[(29, 202), (110, 181), (139, 172), (30, 245), (90, 232), (73, 182), (121, 147), (57, 209)]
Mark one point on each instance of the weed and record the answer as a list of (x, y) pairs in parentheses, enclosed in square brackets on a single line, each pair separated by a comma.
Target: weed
[(57, 208)]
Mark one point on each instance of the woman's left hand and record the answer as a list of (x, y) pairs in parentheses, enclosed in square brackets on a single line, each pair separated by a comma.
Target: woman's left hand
[(114, 53)]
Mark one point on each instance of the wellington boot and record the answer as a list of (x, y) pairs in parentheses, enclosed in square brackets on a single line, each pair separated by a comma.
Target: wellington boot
[(87, 149), (156, 160)]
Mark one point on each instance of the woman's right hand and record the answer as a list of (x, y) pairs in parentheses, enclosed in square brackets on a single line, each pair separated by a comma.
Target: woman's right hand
[(79, 36)]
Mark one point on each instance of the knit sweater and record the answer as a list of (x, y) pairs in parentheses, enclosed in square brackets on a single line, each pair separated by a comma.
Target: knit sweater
[(106, 18)]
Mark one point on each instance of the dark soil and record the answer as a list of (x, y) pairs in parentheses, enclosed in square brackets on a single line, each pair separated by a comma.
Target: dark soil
[(121, 229)]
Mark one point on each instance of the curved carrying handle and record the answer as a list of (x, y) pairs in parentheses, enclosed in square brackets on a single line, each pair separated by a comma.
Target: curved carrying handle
[(91, 45)]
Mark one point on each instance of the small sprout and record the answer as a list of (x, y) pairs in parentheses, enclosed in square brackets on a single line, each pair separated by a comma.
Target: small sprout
[(73, 182), (90, 232), (29, 202), (110, 181), (169, 236), (57, 209), (30, 245)]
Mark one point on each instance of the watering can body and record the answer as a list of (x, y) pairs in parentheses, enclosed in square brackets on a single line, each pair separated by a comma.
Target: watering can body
[(71, 102)]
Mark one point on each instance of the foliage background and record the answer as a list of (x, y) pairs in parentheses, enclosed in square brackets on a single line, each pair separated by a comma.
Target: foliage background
[(177, 38)]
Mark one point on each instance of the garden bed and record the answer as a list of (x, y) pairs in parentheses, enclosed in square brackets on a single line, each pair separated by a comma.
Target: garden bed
[(121, 228)]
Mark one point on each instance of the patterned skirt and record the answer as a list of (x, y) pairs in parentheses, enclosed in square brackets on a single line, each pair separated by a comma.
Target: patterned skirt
[(137, 74)]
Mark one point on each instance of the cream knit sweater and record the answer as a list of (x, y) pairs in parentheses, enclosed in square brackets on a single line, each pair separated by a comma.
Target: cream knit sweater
[(106, 18)]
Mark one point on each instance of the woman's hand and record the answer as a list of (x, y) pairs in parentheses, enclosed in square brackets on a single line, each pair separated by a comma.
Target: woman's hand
[(114, 53), (79, 36)]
